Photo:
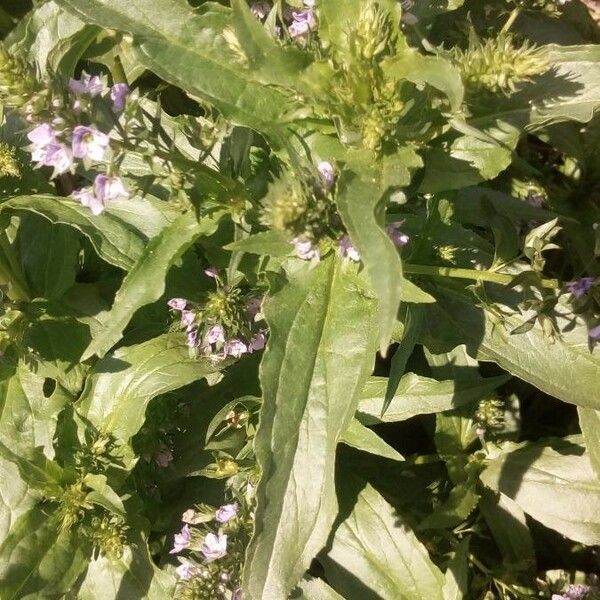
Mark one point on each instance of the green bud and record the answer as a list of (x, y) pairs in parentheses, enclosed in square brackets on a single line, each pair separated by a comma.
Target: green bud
[(372, 33), (497, 65), (9, 166), (490, 414), (18, 86)]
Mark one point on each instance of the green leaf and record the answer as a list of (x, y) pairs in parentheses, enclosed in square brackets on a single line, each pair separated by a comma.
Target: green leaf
[(134, 575), (531, 356), (509, 528), (461, 502), (589, 421), (316, 589), (36, 561), (433, 70), (52, 38), (554, 484), (417, 395), (50, 265), (119, 235), (375, 554), (361, 207), (102, 494), (456, 585), (189, 50), (320, 351), (268, 243), (362, 438), (123, 383), (145, 282)]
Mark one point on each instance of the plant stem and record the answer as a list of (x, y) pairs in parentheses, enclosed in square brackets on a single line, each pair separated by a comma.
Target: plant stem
[(10, 272), (501, 278)]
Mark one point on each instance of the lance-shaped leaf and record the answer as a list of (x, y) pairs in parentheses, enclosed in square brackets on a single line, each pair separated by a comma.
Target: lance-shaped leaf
[(117, 393), (320, 351), (418, 395), (375, 554), (316, 589), (191, 50), (362, 438), (361, 206), (145, 283), (455, 320), (36, 561), (589, 421), (119, 235), (554, 484)]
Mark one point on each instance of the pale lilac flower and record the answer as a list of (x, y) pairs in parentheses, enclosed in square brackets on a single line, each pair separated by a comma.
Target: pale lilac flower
[(88, 199), (253, 307), (211, 272), (77, 105), (42, 135), (163, 458), (188, 319), (226, 512), (580, 287), (177, 303), (327, 173), (59, 157), (214, 546), (257, 342), (109, 188), (347, 250), (304, 22), (192, 338), (594, 333), (574, 592), (400, 239), (305, 250), (89, 142), (235, 348), (215, 334), (535, 200), (185, 570), (181, 540), (87, 84), (118, 94)]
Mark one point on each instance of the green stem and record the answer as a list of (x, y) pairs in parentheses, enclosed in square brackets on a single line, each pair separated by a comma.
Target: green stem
[(10, 273), (501, 278), (511, 19)]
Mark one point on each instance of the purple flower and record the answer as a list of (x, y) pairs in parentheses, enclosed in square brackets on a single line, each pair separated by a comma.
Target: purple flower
[(234, 348), (192, 338), (181, 540), (211, 272), (109, 188), (177, 303), (188, 319), (400, 239), (88, 199), (347, 250), (87, 84), (163, 458), (215, 334), (327, 173), (580, 287), (118, 94), (257, 342), (594, 333), (304, 22), (226, 512), (305, 250), (185, 570), (574, 592), (57, 156), (214, 546), (88, 142), (42, 135)]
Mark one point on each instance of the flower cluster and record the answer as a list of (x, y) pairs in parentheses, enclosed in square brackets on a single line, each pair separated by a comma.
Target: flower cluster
[(227, 324), (575, 592), (214, 541), (303, 21), (67, 135)]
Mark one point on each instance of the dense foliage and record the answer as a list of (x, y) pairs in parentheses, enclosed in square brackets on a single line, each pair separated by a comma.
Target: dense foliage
[(299, 300)]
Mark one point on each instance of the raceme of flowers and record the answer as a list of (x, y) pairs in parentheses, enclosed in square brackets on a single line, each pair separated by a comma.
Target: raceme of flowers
[(60, 145)]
